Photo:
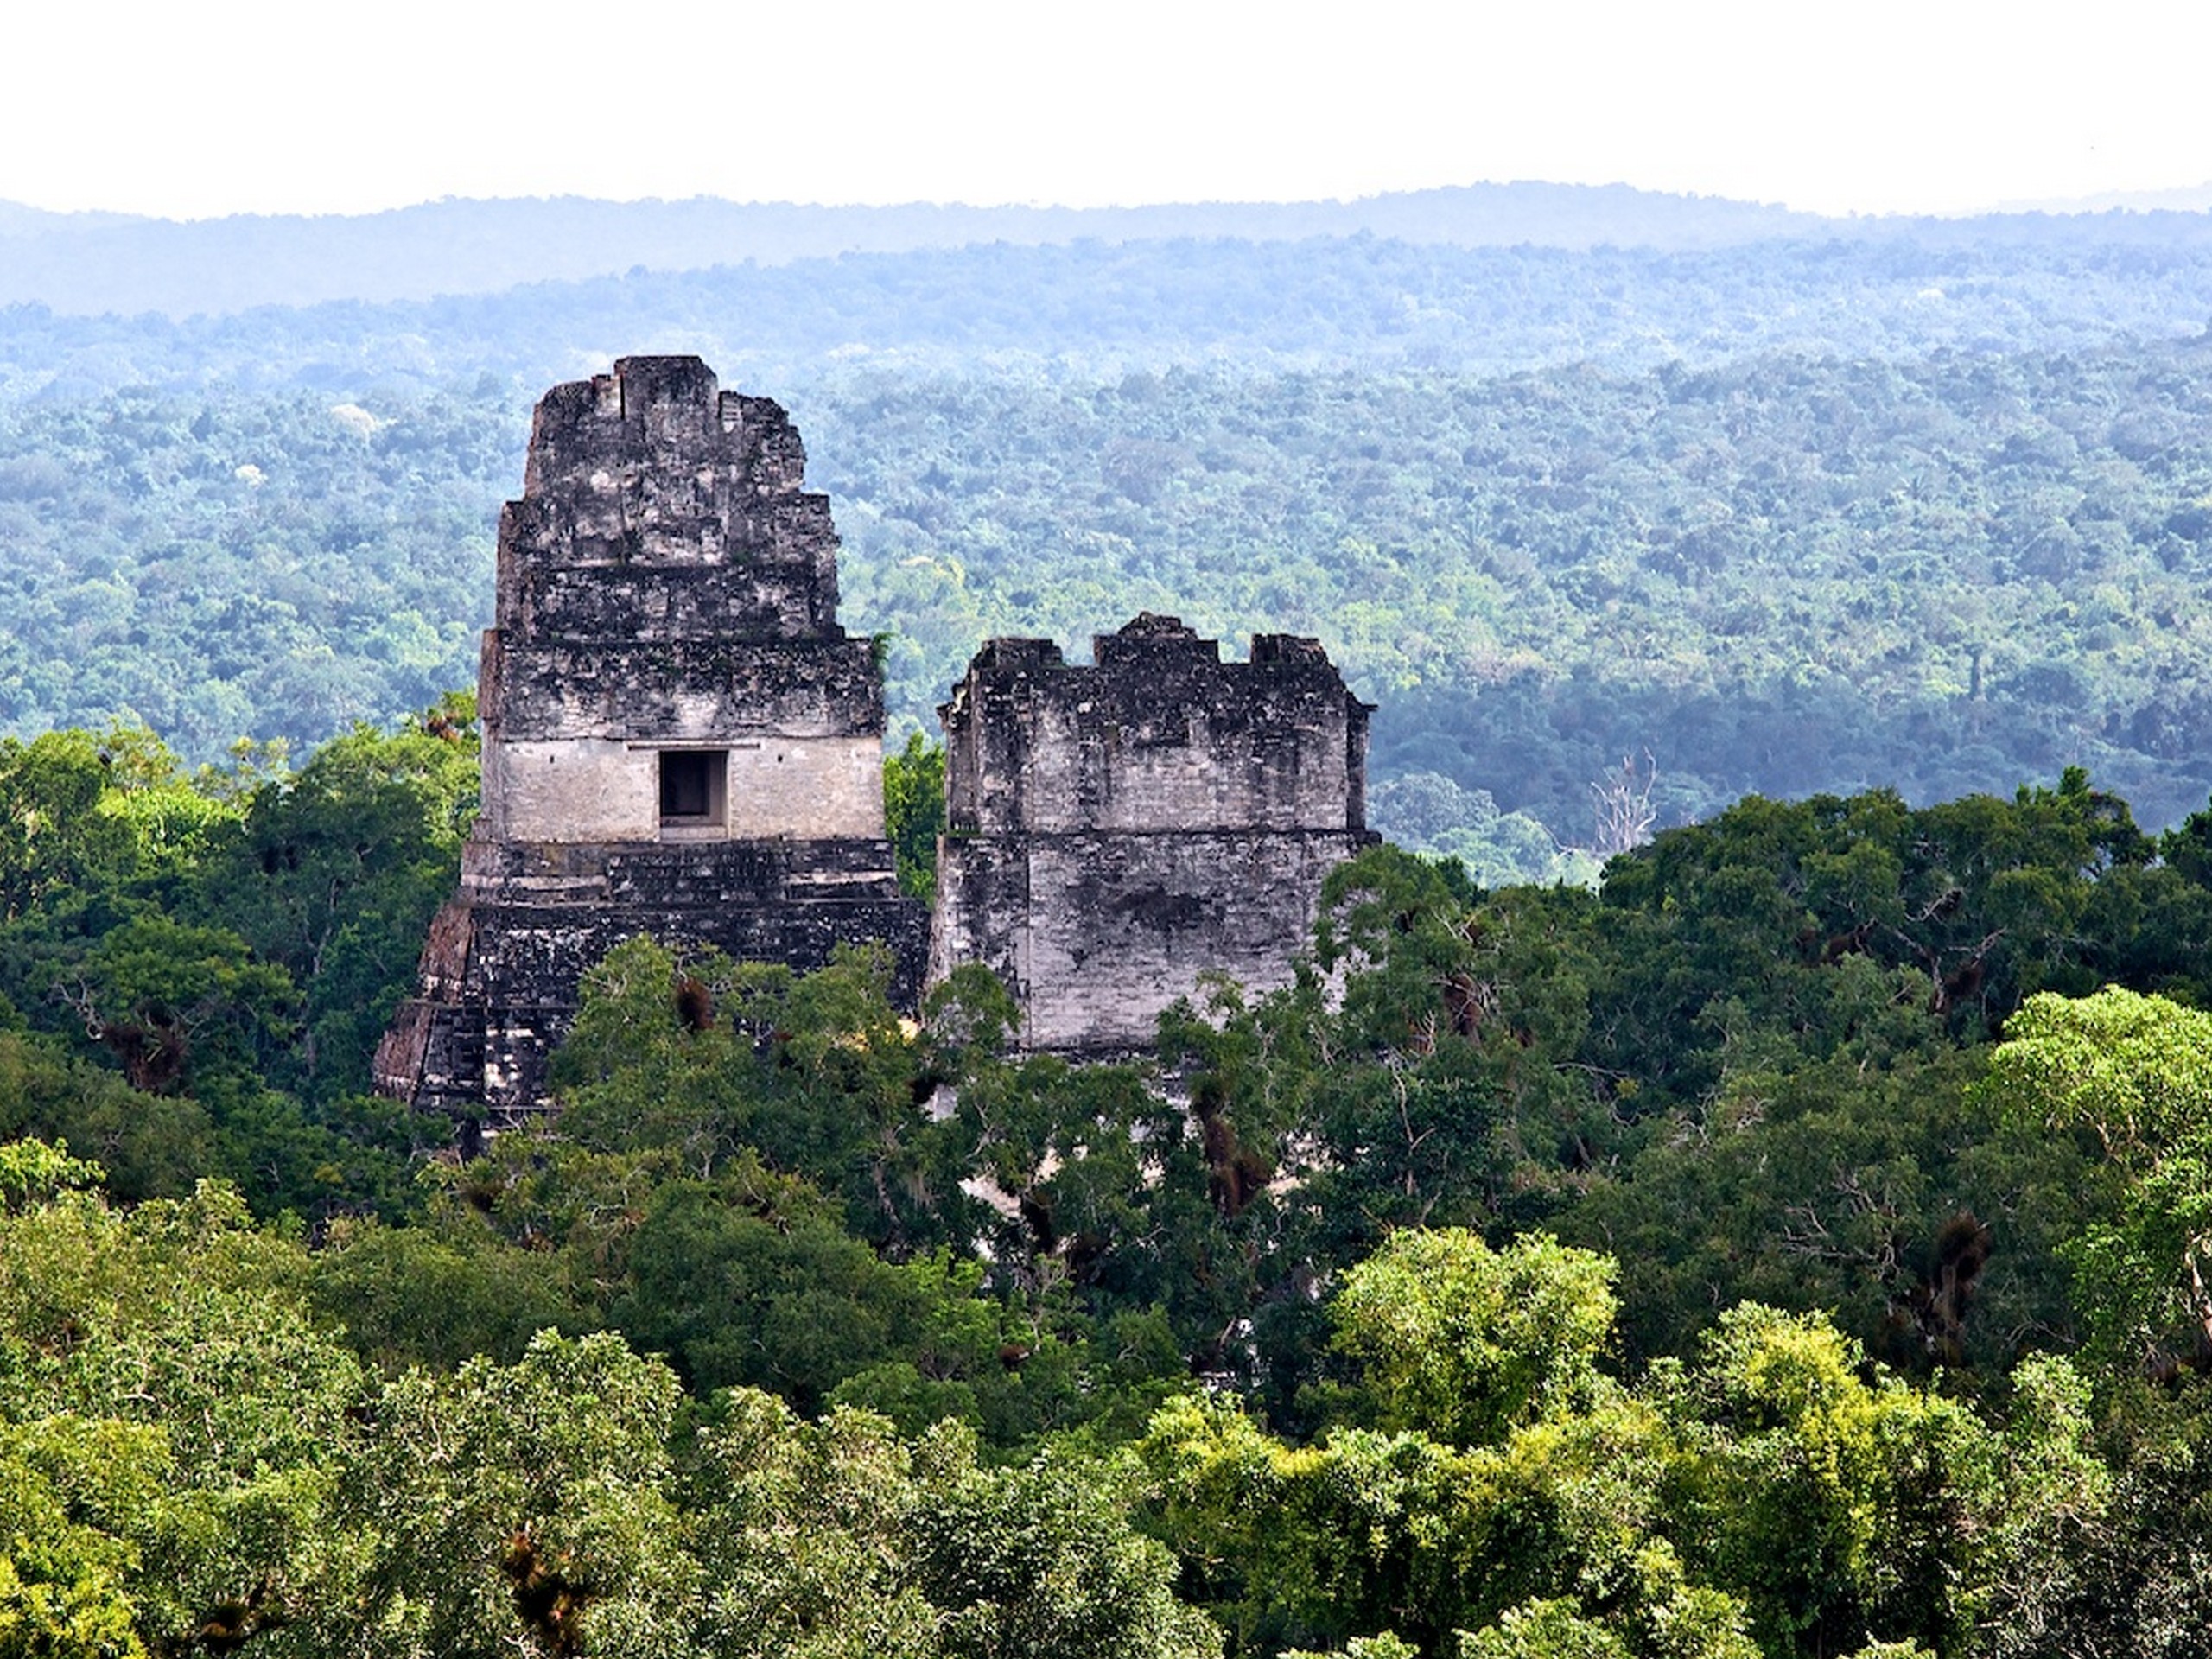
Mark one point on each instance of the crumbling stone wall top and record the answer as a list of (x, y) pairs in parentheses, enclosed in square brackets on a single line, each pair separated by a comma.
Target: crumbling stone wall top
[(1157, 734), (654, 465)]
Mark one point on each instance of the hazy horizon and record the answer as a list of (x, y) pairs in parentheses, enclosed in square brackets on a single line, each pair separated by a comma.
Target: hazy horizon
[(247, 107), (2194, 198)]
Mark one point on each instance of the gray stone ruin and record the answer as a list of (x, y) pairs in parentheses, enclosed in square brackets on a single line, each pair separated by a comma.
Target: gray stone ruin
[(680, 739), (1117, 830)]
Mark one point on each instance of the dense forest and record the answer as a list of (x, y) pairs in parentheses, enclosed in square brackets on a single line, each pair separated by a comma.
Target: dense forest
[(1784, 575), (1795, 1246), (1591, 492), (1733, 1181)]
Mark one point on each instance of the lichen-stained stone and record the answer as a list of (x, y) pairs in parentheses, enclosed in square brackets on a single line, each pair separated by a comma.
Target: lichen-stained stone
[(1118, 830), (678, 737)]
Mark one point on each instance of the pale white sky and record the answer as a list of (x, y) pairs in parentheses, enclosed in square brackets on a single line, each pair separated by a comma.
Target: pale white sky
[(189, 108)]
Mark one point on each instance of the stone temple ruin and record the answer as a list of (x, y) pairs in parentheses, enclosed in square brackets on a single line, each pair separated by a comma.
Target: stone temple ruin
[(1114, 832), (680, 739)]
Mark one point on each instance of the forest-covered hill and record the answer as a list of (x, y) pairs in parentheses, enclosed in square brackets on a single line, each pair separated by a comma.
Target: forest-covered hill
[(88, 263), (1786, 574), (1094, 309)]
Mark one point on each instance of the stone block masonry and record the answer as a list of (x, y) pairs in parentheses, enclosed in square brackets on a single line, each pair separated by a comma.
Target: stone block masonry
[(678, 737), (1118, 830)]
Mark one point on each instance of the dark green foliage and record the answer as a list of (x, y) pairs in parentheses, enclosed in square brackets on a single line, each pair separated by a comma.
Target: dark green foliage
[(2128, 1574), (148, 1144), (339, 870), (225, 947), (913, 812), (814, 1072), (1387, 1211)]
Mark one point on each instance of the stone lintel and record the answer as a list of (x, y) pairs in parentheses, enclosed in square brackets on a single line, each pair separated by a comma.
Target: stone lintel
[(696, 690)]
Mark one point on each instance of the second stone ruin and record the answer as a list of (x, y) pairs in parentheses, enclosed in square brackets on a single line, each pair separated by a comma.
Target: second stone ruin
[(1114, 832)]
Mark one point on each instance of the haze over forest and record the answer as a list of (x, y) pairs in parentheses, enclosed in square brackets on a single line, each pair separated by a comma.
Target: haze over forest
[(1563, 474)]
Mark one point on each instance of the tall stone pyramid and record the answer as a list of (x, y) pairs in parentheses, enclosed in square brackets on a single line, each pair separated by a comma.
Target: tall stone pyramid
[(678, 737)]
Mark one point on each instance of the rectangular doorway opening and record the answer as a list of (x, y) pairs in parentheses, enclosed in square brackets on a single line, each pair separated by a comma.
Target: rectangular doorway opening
[(694, 788)]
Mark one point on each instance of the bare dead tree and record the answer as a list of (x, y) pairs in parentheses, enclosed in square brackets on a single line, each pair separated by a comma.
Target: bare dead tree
[(1623, 798)]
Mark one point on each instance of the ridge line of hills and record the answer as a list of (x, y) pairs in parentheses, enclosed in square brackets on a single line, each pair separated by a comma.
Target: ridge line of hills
[(95, 264)]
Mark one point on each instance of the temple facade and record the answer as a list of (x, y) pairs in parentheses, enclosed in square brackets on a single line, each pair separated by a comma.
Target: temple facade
[(678, 738)]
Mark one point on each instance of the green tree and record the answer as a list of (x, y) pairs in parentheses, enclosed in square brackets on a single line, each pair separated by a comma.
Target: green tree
[(172, 1428), (336, 874), (2134, 1072), (54, 834), (913, 812), (1837, 1509), (527, 1507), (1465, 1343)]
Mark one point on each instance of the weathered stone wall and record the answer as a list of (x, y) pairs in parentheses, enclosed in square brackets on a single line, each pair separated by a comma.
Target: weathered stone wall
[(1160, 734), (1115, 831), (666, 587), (605, 789)]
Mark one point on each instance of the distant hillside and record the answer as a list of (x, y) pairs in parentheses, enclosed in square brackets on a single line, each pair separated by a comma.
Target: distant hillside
[(17, 220), (2189, 199), (1101, 310), (94, 264), (1787, 575), (89, 264)]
